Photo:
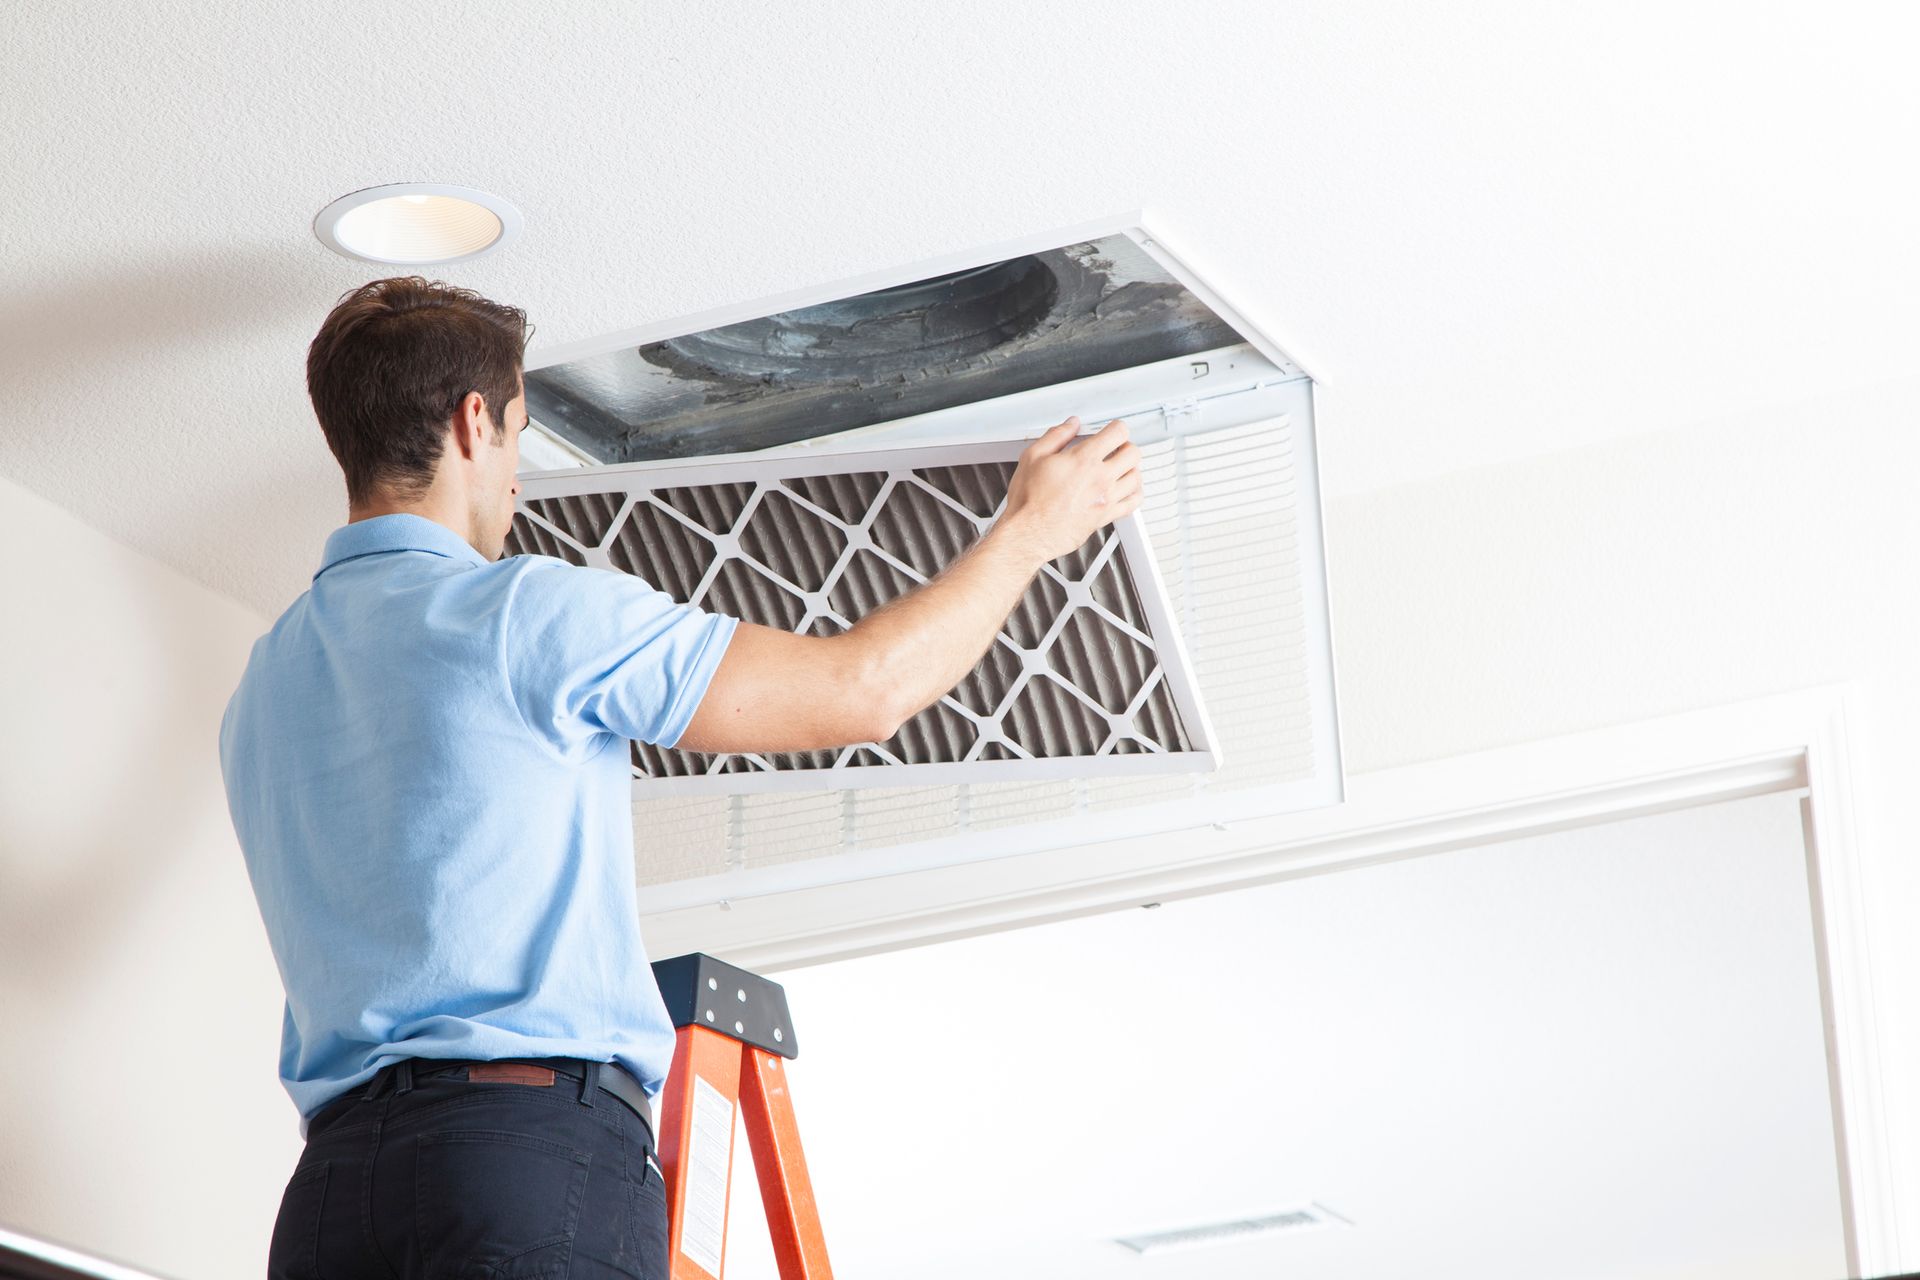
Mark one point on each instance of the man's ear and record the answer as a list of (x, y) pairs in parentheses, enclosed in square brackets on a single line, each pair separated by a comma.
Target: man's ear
[(470, 424)]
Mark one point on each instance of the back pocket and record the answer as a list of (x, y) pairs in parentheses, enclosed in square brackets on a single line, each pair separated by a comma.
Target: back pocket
[(497, 1204), (292, 1253)]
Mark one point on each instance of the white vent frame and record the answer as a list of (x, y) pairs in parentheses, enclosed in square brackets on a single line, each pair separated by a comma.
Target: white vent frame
[(1268, 378), (764, 469)]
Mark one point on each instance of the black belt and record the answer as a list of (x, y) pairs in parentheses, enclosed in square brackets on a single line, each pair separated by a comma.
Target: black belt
[(525, 1071)]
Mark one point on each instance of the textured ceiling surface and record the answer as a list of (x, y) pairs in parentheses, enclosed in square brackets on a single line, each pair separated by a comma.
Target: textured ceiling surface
[(1488, 233)]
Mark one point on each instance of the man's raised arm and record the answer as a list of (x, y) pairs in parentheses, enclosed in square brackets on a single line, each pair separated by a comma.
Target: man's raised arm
[(776, 691)]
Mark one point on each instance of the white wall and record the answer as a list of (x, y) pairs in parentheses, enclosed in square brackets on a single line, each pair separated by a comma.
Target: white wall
[(1655, 574), (140, 1113)]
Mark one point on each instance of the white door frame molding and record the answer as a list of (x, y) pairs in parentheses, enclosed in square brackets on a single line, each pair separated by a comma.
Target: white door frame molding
[(1792, 743)]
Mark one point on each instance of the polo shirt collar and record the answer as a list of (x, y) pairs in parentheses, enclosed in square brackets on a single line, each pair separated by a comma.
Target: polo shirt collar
[(400, 531)]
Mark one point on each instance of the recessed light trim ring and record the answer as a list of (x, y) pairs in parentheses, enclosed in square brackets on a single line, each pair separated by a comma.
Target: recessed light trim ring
[(417, 224)]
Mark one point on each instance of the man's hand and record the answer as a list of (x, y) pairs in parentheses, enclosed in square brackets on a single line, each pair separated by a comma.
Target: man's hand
[(1065, 488)]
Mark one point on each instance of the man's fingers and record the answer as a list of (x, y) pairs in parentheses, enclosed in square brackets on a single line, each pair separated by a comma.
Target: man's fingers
[(1106, 439), (1119, 495), (1053, 438)]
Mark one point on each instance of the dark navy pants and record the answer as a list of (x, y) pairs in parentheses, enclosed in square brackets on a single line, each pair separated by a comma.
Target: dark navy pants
[(433, 1176)]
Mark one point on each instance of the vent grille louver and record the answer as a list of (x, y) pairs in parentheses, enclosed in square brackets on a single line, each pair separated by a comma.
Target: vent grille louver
[(1302, 1218)]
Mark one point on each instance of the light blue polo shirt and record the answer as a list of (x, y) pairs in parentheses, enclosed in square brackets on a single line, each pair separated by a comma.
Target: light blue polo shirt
[(427, 766)]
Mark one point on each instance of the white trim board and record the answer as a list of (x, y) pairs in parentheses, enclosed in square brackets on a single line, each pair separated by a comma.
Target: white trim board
[(25, 1255), (1790, 743)]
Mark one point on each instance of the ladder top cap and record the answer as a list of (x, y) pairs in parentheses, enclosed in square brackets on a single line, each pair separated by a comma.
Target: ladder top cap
[(701, 991)]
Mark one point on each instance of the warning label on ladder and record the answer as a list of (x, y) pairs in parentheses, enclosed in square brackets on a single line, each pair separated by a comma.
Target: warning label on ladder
[(709, 1157)]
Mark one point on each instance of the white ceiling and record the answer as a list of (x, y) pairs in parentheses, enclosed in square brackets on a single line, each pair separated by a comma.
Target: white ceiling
[(1490, 233), (1593, 1054)]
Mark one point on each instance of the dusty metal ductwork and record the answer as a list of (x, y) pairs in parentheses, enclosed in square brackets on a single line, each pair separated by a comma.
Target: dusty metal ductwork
[(1086, 673), (1032, 321)]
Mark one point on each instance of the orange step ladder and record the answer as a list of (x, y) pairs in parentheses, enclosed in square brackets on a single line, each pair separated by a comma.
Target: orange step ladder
[(733, 1036)]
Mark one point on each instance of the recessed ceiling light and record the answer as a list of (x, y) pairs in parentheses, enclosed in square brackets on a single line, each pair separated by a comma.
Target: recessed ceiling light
[(416, 224)]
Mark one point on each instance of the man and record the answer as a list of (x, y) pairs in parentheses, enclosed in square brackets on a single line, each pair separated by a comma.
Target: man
[(426, 762)]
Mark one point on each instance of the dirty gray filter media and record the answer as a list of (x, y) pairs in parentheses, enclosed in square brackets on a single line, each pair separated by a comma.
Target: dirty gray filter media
[(1097, 688)]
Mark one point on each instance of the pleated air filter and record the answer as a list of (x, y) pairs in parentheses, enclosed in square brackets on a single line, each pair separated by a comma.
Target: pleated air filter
[(1087, 676)]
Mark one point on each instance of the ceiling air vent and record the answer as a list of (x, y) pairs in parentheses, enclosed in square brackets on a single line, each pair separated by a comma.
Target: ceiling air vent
[(1086, 676), (1304, 1218), (799, 460)]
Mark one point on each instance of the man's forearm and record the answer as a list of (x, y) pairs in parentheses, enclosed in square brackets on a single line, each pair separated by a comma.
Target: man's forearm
[(921, 644)]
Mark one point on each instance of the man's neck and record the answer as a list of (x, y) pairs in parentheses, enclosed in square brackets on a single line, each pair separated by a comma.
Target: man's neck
[(437, 507)]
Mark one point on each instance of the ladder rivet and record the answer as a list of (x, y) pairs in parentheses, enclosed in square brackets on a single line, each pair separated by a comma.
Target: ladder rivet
[(709, 1015), (739, 1029), (713, 984), (773, 1064), (777, 1036), (741, 995)]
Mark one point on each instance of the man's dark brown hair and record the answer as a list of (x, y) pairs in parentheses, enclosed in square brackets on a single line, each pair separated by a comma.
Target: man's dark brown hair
[(390, 367)]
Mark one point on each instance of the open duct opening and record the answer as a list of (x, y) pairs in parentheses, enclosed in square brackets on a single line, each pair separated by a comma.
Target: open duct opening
[(962, 337), (887, 333)]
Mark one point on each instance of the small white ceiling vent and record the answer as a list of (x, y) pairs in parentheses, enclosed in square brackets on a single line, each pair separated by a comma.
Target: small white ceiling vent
[(1301, 1218)]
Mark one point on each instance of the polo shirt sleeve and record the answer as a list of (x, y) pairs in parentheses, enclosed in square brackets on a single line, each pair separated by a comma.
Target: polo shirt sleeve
[(594, 651)]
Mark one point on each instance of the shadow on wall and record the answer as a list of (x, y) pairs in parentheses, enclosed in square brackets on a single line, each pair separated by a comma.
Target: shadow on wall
[(114, 751), (131, 953), (117, 678)]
